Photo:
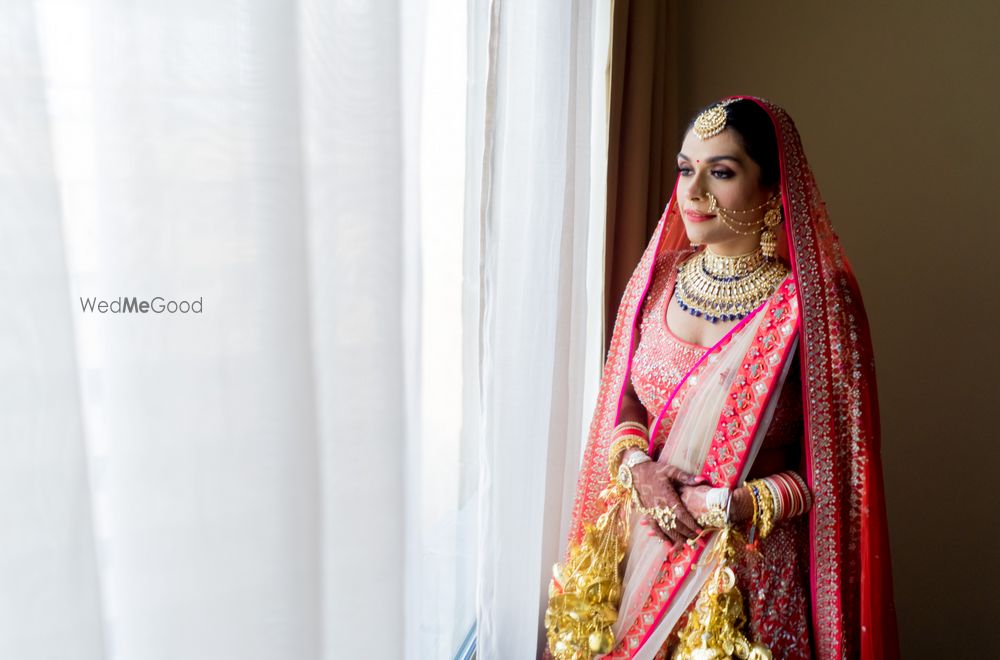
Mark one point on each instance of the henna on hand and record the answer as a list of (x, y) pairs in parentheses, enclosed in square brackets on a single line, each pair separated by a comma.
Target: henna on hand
[(654, 485), (741, 506)]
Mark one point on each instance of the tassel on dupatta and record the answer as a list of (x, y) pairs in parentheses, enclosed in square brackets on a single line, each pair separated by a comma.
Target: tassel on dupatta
[(586, 590), (713, 629)]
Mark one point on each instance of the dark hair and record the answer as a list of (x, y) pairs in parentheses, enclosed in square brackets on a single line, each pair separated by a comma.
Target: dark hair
[(755, 132)]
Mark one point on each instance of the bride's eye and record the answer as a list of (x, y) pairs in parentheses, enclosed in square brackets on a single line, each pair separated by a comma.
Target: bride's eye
[(683, 169), (721, 174)]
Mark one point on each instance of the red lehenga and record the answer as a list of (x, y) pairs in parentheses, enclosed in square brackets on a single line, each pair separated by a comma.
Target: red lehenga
[(800, 369)]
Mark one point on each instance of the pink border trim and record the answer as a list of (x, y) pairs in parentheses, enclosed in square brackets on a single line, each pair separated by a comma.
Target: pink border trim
[(673, 592)]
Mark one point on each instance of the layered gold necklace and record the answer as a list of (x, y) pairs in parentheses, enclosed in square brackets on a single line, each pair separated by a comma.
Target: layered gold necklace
[(720, 288)]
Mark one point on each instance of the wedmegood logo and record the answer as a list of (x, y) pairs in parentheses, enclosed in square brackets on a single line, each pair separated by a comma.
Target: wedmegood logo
[(125, 305)]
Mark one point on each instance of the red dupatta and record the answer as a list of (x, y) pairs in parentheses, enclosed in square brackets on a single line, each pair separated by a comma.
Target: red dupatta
[(851, 582)]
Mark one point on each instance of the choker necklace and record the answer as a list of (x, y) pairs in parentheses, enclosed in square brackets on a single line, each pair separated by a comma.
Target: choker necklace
[(720, 288)]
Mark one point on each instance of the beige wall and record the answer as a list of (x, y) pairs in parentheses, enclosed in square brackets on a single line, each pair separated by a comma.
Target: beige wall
[(899, 110)]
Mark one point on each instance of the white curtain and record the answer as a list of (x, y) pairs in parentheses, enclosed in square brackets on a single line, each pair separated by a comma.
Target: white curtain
[(537, 188), (392, 215), (272, 478)]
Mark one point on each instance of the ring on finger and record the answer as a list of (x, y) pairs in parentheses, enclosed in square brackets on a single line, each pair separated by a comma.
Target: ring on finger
[(665, 517)]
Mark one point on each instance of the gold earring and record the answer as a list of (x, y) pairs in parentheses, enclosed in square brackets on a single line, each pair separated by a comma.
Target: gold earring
[(768, 241)]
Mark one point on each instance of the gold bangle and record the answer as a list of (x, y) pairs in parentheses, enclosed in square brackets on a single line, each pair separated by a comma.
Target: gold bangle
[(763, 513), (621, 441), (756, 507), (624, 442), (714, 516), (767, 510), (620, 446)]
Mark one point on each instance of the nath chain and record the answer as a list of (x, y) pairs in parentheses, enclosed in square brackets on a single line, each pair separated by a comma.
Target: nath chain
[(738, 226)]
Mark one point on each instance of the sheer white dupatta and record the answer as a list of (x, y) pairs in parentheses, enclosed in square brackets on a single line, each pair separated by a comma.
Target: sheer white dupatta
[(690, 437)]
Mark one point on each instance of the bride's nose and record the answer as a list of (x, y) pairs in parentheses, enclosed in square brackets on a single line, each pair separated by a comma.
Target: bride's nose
[(697, 198), (703, 202)]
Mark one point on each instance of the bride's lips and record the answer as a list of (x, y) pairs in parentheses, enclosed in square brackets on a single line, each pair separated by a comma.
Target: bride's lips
[(694, 216)]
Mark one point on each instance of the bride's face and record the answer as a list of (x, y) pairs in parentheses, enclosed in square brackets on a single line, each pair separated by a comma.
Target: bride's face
[(719, 166)]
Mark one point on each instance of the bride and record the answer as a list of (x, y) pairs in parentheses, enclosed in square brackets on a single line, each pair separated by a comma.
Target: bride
[(737, 410)]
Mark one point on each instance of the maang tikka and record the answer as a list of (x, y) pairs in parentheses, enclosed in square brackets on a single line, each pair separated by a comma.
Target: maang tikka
[(713, 120)]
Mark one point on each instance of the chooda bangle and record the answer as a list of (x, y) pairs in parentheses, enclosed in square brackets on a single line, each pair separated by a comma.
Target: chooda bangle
[(633, 426)]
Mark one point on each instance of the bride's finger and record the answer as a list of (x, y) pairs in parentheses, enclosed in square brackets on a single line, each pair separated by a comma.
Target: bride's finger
[(675, 537), (681, 513), (685, 478), (686, 522), (654, 529), (685, 517)]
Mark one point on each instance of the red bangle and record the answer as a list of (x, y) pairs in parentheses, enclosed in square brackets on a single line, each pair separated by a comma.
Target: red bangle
[(787, 497), (629, 428), (792, 494), (781, 491), (803, 490), (798, 491)]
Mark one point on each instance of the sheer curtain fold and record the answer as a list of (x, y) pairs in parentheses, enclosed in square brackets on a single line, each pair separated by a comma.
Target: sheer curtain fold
[(50, 602), (539, 215), (354, 162)]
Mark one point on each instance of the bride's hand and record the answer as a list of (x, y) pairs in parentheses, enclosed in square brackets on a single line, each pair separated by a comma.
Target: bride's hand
[(694, 498), (655, 485)]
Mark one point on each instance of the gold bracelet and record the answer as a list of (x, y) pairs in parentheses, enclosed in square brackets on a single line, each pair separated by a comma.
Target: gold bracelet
[(756, 507), (620, 446), (714, 516), (767, 510), (624, 442), (763, 507)]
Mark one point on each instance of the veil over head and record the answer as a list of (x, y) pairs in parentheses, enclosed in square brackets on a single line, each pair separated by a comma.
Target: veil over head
[(850, 576)]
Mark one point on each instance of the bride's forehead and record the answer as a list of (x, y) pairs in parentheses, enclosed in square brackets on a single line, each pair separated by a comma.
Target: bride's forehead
[(694, 148)]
